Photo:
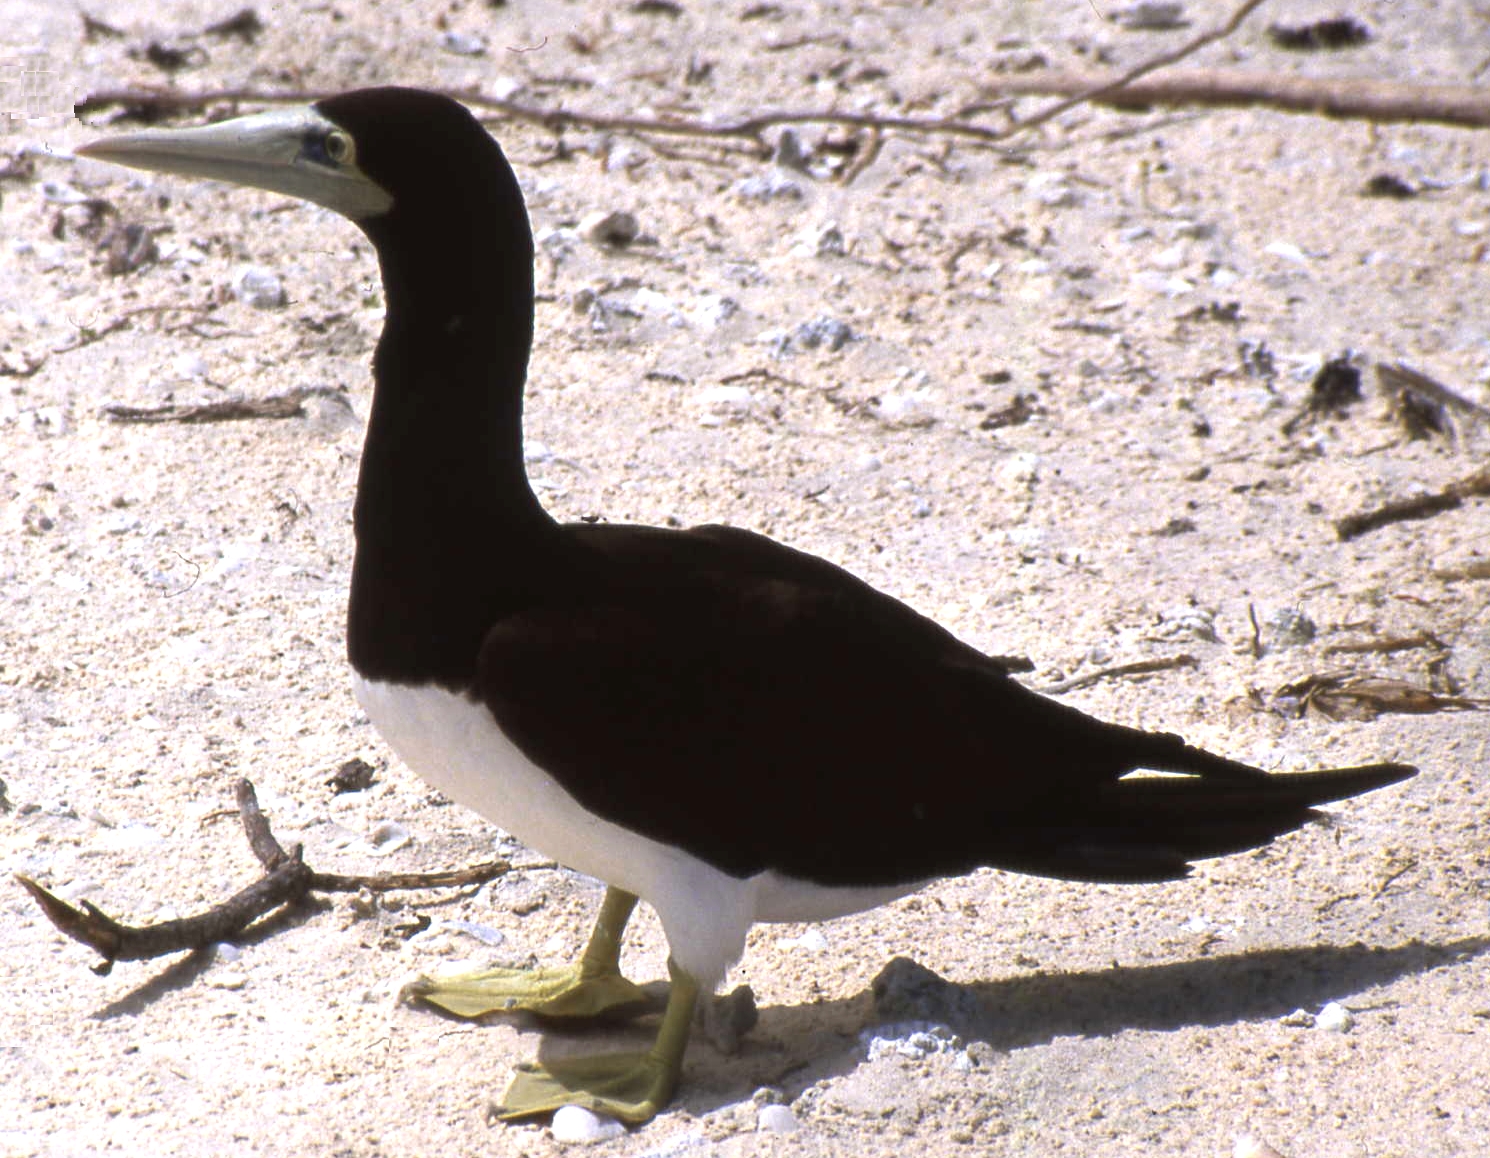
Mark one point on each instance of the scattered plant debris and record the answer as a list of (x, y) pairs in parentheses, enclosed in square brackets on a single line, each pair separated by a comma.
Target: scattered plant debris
[(1344, 696), (128, 247), (1320, 35), (1334, 389), (354, 775), (244, 24), (1017, 412), (1389, 185), (1422, 403)]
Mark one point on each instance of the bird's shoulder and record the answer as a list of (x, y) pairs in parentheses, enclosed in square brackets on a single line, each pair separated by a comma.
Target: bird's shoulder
[(750, 585)]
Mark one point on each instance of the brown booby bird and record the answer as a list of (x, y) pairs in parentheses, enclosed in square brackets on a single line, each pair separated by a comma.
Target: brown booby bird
[(726, 728)]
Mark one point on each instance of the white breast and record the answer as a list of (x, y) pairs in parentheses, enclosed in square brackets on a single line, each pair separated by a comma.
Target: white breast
[(455, 745)]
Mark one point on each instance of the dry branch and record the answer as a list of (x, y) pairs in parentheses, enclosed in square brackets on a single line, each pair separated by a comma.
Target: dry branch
[(287, 880), (1467, 106), (287, 405), (1425, 506), (1137, 667)]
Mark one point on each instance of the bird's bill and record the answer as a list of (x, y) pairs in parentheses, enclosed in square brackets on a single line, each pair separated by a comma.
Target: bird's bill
[(284, 151)]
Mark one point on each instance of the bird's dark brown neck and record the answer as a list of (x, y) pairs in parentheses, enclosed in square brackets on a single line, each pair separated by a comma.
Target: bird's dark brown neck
[(448, 529)]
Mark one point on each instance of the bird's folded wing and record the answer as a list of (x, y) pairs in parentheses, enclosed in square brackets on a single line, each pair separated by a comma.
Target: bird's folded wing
[(762, 718)]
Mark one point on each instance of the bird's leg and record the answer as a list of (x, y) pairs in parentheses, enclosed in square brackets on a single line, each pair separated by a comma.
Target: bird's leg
[(630, 1086), (592, 987)]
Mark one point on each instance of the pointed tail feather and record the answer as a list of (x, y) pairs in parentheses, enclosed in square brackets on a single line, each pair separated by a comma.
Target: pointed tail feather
[(1151, 827)]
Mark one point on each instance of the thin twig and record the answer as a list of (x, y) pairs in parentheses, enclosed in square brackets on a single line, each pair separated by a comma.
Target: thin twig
[(1137, 667), (1377, 101), (1387, 646), (1100, 90), (290, 404), (1426, 506)]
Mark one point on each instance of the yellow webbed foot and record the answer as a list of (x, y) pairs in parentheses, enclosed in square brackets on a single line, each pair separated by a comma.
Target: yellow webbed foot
[(593, 988), (631, 1087)]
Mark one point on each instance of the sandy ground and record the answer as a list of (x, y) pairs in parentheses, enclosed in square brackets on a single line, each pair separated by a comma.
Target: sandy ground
[(1059, 426)]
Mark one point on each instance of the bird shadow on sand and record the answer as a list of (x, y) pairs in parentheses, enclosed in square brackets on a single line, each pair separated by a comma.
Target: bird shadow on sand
[(794, 1046)]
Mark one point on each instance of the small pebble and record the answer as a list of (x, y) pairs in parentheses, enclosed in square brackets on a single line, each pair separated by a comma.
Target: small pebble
[(1194, 622), (822, 333), (483, 933), (190, 365), (613, 229), (1019, 469), (905, 409), (916, 1040), (1287, 250), (1052, 190), (821, 241), (724, 404), (389, 836), (777, 1120), (812, 941), (259, 287), (790, 153), (1298, 1019), (1158, 282), (1290, 627), (1171, 257), (1249, 1147), (461, 44), (774, 185), (710, 311), (649, 303), (1334, 1018), (577, 1125), (59, 193)]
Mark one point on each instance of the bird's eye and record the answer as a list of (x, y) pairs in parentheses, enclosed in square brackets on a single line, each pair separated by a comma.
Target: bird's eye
[(338, 147)]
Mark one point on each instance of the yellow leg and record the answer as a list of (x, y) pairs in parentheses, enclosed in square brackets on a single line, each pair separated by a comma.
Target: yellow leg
[(630, 1086), (591, 988)]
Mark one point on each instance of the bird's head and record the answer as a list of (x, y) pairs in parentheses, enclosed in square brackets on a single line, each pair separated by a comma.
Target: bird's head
[(413, 169), (362, 154)]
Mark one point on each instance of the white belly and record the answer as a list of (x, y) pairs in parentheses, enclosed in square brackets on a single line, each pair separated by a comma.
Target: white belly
[(454, 744)]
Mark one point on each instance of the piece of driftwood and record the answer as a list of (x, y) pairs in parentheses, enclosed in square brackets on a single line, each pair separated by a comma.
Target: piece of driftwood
[(1423, 506), (287, 881)]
